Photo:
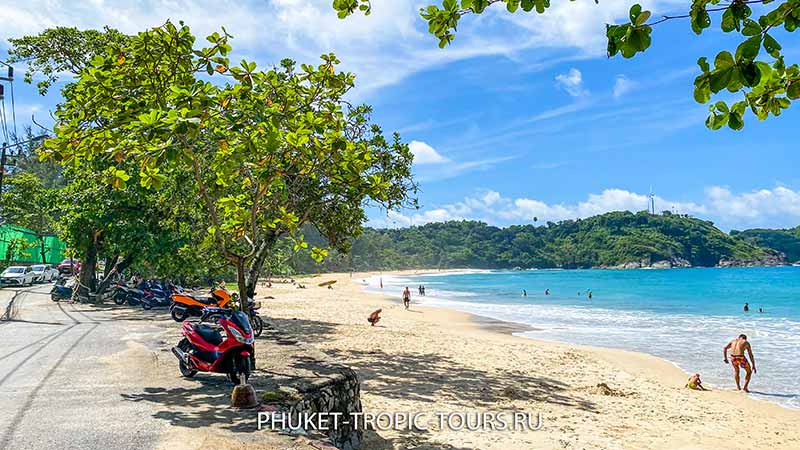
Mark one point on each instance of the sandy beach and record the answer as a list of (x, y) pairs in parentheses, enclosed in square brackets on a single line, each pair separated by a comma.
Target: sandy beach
[(430, 360)]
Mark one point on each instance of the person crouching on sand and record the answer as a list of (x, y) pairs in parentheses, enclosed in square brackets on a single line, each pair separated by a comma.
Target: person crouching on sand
[(406, 297), (375, 317), (694, 383), (738, 346)]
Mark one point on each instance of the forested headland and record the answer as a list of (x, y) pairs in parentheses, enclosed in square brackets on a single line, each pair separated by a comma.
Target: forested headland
[(611, 240)]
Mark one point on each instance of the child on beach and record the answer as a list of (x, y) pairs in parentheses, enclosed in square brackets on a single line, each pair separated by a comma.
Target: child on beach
[(374, 317), (695, 383)]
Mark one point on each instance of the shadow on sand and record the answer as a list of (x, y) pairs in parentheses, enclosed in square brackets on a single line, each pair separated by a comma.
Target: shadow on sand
[(203, 405), (420, 376)]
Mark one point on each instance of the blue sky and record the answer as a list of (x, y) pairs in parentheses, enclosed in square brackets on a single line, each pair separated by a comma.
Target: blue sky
[(522, 117)]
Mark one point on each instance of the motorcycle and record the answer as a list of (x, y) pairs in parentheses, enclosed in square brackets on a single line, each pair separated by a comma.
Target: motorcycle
[(120, 293), (204, 349), (60, 292), (256, 322), (185, 304)]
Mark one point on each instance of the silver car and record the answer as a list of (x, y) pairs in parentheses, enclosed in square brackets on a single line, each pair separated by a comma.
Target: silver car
[(44, 273), (17, 276)]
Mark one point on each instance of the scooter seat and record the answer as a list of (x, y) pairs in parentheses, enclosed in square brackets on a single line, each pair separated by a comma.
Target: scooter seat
[(208, 334)]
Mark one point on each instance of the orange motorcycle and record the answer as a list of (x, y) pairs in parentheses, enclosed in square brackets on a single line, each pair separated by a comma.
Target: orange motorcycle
[(185, 305)]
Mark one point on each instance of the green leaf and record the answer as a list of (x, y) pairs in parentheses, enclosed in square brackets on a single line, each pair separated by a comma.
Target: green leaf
[(735, 121), (751, 28), (748, 50), (728, 21), (634, 12), (642, 19), (772, 46), (723, 60), (703, 63), (793, 91)]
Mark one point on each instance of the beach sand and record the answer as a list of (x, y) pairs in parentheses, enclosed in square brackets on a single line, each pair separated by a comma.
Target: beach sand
[(430, 360)]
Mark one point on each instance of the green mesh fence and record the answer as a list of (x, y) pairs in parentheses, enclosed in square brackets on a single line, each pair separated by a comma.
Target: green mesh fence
[(21, 245)]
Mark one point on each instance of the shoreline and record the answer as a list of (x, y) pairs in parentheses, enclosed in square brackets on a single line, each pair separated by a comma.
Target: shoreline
[(439, 359), (516, 329)]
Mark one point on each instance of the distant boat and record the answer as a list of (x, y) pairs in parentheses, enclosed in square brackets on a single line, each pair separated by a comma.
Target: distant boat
[(797, 264)]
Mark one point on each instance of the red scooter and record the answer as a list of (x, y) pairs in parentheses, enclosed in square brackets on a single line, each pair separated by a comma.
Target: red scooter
[(204, 349)]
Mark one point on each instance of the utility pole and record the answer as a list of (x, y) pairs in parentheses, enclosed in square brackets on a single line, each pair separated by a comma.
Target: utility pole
[(3, 166)]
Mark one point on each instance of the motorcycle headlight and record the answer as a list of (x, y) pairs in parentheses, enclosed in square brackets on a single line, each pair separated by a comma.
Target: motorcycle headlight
[(239, 337)]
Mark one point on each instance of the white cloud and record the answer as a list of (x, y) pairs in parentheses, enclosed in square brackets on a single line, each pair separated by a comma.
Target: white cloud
[(622, 86), (778, 207), (425, 154), (756, 208), (572, 82), (381, 49)]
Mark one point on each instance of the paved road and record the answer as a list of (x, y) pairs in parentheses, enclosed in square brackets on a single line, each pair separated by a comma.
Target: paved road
[(66, 371)]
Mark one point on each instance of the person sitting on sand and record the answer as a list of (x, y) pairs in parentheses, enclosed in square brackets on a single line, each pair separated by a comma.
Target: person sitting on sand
[(694, 383), (738, 346), (406, 297), (375, 317)]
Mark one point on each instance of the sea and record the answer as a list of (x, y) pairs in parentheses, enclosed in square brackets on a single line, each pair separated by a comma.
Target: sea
[(685, 316)]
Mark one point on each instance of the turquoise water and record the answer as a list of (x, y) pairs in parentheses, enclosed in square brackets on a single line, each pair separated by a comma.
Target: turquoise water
[(683, 315)]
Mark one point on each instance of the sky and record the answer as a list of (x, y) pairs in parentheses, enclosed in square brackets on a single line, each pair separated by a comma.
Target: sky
[(522, 117)]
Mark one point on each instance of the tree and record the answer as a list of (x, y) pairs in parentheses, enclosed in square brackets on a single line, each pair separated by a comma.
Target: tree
[(60, 50), (268, 151), (119, 221), (17, 248), (124, 226), (766, 86), (27, 203)]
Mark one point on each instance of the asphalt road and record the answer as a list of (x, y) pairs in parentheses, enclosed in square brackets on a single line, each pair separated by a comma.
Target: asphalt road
[(65, 375)]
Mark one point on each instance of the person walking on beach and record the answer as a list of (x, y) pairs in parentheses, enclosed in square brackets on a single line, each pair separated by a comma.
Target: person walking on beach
[(406, 297), (738, 360)]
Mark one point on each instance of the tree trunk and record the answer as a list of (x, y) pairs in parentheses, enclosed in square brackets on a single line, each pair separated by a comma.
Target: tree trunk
[(241, 283), (88, 281), (257, 262), (118, 267), (42, 250)]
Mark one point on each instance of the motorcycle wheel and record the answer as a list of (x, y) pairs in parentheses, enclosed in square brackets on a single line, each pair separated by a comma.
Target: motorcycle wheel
[(119, 299), (239, 370), (186, 371), (146, 305), (258, 325), (178, 316), (55, 297)]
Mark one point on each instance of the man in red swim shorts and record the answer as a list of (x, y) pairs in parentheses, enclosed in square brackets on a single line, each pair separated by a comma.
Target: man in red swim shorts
[(738, 346)]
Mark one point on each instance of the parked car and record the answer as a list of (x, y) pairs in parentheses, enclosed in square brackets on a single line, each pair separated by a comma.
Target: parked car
[(17, 276), (44, 273), (69, 266)]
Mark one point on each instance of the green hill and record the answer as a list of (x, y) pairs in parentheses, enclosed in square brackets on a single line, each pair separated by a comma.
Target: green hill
[(785, 241), (616, 239)]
